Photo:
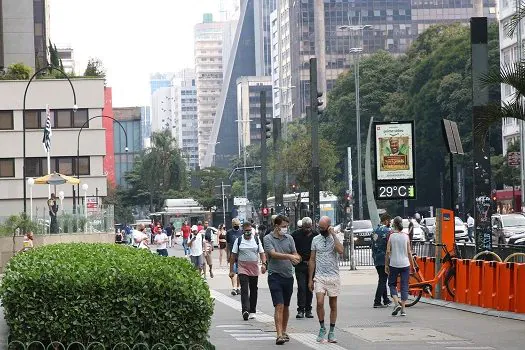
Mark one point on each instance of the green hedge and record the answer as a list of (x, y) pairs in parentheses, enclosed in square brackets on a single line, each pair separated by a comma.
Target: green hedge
[(106, 293)]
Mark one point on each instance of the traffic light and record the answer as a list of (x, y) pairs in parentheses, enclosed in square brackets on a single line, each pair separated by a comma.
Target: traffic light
[(265, 211), (268, 128)]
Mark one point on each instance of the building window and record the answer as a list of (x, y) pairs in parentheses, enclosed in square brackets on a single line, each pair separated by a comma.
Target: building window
[(7, 167), (32, 119), (62, 118), (6, 120), (80, 118), (36, 167)]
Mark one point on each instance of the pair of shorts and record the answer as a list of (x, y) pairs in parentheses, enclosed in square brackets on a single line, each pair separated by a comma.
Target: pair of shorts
[(196, 261), (208, 259), (281, 289), (235, 268), (330, 286)]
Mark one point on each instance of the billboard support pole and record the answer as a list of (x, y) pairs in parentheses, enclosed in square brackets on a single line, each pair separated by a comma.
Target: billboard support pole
[(370, 201)]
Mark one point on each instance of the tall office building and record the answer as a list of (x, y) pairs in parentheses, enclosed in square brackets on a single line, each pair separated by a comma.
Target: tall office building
[(184, 107), (389, 25), (130, 119), (263, 39), (509, 55), (159, 80), (209, 49), (161, 110), (24, 32)]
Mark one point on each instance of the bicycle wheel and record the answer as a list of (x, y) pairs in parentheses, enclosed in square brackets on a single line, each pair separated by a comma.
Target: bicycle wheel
[(414, 294), (450, 280)]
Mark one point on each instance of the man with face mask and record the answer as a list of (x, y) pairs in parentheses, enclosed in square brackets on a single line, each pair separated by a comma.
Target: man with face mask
[(246, 251), (231, 236), (324, 262), (282, 255), (303, 242)]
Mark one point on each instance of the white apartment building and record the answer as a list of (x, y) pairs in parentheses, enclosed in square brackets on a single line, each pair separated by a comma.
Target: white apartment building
[(66, 55), (209, 78), (509, 55), (65, 132), (281, 62), (184, 107), (161, 110)]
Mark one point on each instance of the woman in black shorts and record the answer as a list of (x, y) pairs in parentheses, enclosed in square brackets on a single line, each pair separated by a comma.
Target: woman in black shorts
[(222, 243)]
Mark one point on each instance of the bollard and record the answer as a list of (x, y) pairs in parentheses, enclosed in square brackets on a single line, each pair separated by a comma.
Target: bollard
[(519, 293), (505, 297), (462, 277), (489, 289), (474, 282)]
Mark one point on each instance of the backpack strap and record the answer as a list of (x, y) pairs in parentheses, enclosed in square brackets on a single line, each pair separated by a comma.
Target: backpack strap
[(239, 240)]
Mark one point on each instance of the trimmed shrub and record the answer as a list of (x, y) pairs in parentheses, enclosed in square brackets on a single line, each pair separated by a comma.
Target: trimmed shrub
[(104, 293)]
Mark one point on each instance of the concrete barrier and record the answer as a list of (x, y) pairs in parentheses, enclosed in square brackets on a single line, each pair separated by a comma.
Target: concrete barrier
[(6, 243)]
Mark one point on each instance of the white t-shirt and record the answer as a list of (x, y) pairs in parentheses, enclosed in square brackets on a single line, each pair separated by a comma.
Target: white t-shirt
[(196, 246), (138, 237), (398, 250), (470, 222), (162, 241)]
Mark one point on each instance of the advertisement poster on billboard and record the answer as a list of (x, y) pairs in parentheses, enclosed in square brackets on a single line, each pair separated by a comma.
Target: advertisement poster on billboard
[(394, 151)]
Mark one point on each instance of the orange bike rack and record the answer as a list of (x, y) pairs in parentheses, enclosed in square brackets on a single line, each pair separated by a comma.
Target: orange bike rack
[(519, 296), (462, 277), (505, 287), (489, 289), (474, 282)]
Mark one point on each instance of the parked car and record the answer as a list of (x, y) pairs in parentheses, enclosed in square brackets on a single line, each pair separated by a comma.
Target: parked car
[(418, 235), (517, 239), (362, 232), (504, 226), (429, 228), (460, 230)]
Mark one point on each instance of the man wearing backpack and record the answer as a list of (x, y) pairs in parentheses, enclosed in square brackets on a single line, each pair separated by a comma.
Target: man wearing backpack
[(231, 237), (379, 241), (246, 251)]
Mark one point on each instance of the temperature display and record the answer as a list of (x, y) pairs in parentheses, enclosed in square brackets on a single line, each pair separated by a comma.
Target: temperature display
[(395, 191)]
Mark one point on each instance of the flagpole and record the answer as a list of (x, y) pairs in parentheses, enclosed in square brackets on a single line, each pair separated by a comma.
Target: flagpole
[(48, 115)]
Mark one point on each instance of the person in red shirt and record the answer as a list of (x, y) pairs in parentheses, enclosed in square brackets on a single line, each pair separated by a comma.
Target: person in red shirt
[(186, 230), (199, 226)]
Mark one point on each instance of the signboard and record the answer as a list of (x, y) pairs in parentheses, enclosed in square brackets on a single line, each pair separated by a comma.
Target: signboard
[(514, 159), (91, 203), (241, 201), (394, 145), (398, 190)]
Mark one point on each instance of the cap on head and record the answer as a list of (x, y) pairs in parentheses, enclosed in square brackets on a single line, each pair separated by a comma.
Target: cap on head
[(299, 223), (194, 228), (236, 222)]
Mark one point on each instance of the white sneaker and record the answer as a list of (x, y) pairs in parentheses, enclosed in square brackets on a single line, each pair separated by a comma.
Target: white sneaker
[(251, 317)]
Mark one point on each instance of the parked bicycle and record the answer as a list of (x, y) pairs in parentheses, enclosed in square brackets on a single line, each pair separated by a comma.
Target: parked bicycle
[(418, 286)]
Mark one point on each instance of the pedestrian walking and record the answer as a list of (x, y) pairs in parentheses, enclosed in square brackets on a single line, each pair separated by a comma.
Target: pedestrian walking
[(162, 240), (470, 227), (231, 236), (246, 251), (303, 243), (195, 244), (221, 234), (324, 276), (186, 231), (379, 242), (28, 242), (282, 255), (170, 233), (139, 236), (208, 249), (397, 264)]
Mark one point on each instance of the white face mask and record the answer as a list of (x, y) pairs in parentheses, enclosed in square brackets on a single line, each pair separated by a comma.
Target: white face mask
[(284, 230)]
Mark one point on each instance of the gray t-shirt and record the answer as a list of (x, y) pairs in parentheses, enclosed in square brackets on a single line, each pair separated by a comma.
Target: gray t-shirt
[(326, 263), (284, 244)]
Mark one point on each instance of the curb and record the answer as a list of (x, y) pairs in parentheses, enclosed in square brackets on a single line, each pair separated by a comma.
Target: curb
[(474, 309)]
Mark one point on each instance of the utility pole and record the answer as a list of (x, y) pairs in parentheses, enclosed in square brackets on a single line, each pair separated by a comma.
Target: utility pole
[(278, 174), (265, 131), (314, 120)]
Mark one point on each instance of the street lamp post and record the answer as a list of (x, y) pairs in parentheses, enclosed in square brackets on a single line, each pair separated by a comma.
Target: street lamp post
[(356, 51), (289, 107), (50, 67), (85, 189), (31, 183), (78, 148), (243, 145)]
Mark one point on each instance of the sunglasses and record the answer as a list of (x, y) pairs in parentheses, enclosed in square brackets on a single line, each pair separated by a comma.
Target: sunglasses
[(250, 231)]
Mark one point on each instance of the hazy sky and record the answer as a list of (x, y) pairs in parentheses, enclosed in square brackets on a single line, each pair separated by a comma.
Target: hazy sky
[(133, 38)]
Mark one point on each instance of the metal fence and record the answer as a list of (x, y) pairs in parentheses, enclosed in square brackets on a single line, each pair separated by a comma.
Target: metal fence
[(36, 345), (98, 219), (363, 254)]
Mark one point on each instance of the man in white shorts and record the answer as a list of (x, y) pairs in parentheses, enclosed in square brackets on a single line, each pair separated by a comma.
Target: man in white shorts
[(324, 262)]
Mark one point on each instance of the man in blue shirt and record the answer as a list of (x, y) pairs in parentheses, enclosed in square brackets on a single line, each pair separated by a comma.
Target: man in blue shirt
[(379, 241)]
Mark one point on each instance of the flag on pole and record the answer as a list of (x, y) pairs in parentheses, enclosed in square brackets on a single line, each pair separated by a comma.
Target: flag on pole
[(47, 131)]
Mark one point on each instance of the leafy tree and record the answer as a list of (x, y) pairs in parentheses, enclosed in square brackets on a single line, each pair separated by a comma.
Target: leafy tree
[(95, 68), (53, 54), (502, 173), (207, 193), (18, 71)]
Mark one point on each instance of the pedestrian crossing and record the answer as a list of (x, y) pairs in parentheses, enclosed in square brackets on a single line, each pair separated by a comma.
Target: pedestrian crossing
[(243, 334)]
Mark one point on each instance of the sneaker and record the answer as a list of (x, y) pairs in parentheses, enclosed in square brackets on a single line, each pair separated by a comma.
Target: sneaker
[(252, 316), (245, 315), (234, 292), (322, 333), (211, 273), (286, 337), (387, 303), (396, 310), (331, 337), (238, 291), (299, 315), (379, 306), (403, 313), (309, 314), (280, 341)]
